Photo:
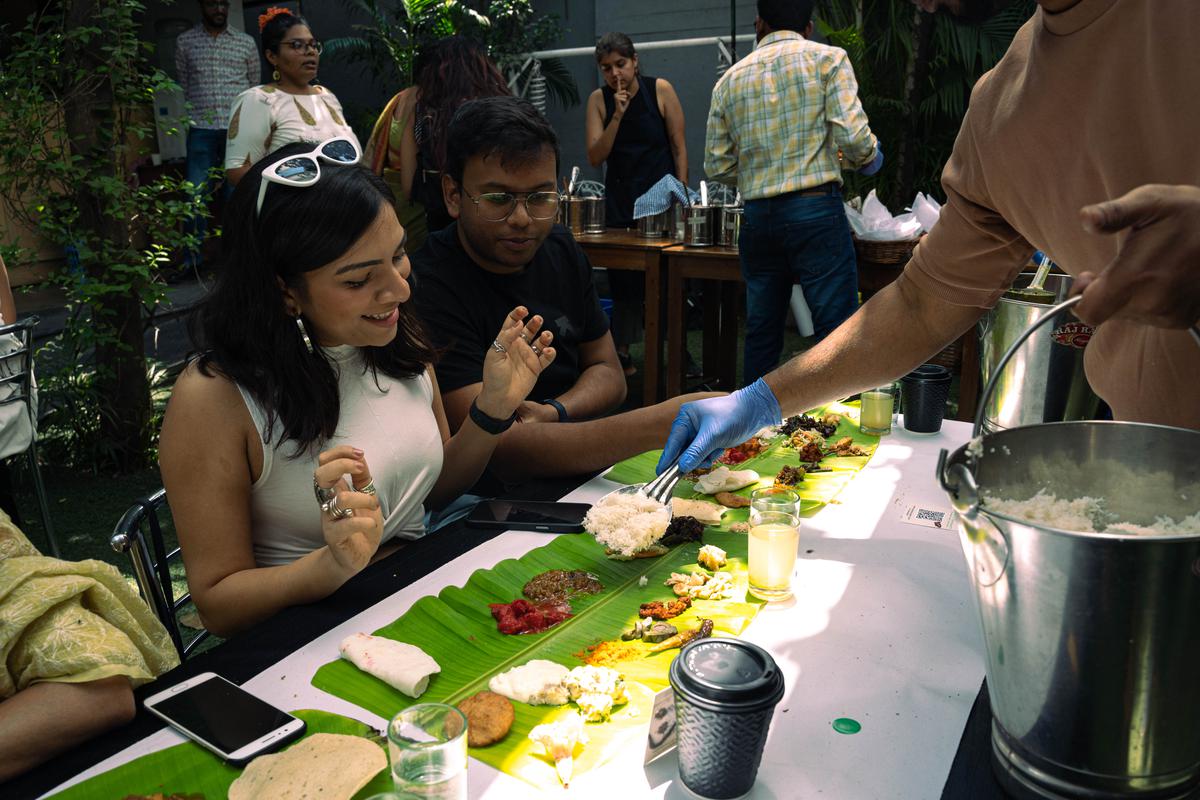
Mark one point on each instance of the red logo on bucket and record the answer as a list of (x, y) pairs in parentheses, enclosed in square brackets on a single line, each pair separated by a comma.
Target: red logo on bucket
[(1073, 334)]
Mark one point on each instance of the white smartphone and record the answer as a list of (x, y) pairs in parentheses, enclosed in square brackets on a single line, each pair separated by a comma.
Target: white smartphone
[(224, 718)]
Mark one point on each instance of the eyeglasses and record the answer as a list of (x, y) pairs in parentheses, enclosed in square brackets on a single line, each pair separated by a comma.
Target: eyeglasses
[(498, 206), (305, 45), (304, 169)]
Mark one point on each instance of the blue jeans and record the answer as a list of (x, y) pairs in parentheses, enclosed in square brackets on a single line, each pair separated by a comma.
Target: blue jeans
[(205, 150), (794, 239)]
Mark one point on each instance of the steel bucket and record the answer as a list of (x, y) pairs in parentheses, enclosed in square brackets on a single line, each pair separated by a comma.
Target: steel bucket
[(729, 225), (593, 215), (1044, 382), (678, 228), (698, 225), (1092, 639), (655, 226), (572, 208)]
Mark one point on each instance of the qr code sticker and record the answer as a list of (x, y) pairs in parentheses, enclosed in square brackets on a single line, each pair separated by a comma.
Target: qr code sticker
[(940, 518)]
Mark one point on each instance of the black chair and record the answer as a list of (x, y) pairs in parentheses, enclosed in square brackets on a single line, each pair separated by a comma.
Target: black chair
[(151, 568), (16, 373)]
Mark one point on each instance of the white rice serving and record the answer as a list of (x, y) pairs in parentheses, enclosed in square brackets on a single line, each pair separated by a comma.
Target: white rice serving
[(627, 523), (1085, 515)]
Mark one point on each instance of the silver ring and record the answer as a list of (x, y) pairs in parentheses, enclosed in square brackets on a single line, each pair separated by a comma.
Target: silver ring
[(324, 495), (525, 338), (499, 348), (369, 489), (335, 511), (537, 351)]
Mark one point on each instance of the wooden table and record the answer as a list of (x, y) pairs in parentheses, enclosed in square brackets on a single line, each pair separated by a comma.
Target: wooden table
[(721, 272), (620, 248)]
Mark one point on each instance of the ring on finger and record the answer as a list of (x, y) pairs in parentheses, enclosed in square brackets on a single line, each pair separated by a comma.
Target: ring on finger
[(499, 348), (524, 337), (324, 494), (369, 489), (335, 511), (537, 351)]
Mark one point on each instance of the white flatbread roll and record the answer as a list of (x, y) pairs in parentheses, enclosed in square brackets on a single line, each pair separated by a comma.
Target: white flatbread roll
[(404, 667), (724, 479)]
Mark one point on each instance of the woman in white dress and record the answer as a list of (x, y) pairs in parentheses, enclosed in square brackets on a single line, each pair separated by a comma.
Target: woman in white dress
[(289, 108), (315, 378)]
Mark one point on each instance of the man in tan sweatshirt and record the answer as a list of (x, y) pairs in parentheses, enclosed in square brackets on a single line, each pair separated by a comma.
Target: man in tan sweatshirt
[(1081, 142)]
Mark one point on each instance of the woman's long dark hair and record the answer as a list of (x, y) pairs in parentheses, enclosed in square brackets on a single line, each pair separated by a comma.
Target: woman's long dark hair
[(243, 326), (448, 73)]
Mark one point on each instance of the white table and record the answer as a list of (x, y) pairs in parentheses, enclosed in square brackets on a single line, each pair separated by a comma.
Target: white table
[(882, 630)]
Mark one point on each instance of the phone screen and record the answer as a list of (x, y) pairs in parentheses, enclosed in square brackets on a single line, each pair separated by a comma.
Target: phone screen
[(222, 714), (532, 513)]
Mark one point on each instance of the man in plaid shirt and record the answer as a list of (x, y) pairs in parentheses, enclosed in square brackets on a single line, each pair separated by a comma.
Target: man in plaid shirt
[(782, 123), (213, 65)]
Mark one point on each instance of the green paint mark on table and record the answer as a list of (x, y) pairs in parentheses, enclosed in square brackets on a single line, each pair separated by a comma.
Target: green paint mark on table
[(846, 725)]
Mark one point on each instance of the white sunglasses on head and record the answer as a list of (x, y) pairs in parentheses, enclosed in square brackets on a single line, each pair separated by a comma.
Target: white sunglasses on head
[(304, 169)]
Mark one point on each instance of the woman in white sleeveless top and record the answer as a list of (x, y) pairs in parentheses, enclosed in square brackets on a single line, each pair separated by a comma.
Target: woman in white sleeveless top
[(316, 375)]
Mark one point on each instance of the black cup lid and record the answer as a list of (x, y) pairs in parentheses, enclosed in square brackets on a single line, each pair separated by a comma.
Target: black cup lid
[(928, 373), (727, 672)]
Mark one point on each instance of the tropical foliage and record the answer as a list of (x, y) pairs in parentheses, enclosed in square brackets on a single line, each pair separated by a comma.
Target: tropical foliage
[(915, 73), (75, 124), (386, 45)]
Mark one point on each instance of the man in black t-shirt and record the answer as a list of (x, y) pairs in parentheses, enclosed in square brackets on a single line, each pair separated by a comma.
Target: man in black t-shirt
[(460, 300), (502, 251)]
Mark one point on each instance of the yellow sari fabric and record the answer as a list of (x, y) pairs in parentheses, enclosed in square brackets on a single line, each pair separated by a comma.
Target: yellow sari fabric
[(72, 621)]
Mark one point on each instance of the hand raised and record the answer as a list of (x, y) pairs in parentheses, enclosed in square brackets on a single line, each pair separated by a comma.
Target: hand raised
[(1153, 279), (513, 363), (353, 539)]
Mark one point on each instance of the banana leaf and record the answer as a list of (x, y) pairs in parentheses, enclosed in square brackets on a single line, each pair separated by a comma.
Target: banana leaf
[(456, 628), (817, 488), (190, 769)]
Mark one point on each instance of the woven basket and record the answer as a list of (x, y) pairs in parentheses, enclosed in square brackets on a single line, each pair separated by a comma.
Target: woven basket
[(892, 252)]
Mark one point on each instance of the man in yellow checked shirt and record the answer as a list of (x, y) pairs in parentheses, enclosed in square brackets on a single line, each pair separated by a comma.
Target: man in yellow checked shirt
[(783, 122), (1080, 143)]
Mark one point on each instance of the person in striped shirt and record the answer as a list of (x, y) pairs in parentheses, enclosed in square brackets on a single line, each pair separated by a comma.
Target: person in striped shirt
[(784, 121), (213, 65)]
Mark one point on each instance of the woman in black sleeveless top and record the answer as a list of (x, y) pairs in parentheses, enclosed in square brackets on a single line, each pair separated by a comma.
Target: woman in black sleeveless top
[(635, 127)]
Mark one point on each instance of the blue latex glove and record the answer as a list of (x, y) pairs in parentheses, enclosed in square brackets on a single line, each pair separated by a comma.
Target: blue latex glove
[(876, 163), (707, 427)]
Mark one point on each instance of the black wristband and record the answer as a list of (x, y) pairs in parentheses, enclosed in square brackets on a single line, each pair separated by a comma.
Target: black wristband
[(490, 424), (563, 416)]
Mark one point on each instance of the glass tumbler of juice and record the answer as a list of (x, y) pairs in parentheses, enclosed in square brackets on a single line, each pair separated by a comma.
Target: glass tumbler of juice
[(876, 410), (774, 539)]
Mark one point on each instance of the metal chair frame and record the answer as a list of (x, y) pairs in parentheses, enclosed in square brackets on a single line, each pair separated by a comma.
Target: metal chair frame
[(22, 378), (152, 568)]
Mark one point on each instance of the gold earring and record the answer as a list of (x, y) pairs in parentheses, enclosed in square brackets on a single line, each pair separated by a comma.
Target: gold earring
[(275, 76)]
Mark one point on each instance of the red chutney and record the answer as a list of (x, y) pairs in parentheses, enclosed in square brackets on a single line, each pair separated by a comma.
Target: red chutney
[(522, 616)]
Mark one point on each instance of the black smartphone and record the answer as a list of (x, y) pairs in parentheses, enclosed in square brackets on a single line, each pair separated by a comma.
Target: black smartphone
[(224, 718), (529, 515)]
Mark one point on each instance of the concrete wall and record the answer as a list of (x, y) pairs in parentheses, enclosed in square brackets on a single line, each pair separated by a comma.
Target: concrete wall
[(691, 70)]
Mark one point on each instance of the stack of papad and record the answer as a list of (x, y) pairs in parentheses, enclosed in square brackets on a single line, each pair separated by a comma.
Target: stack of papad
[(325, 765)]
